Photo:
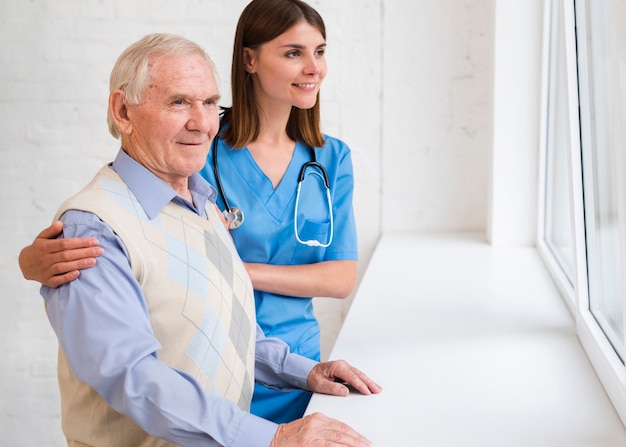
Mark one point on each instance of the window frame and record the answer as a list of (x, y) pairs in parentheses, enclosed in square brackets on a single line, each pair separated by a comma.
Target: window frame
[(547, 98), (606, 362)]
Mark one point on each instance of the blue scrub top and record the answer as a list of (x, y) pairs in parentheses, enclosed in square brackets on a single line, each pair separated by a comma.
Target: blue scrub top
[(267, 234)]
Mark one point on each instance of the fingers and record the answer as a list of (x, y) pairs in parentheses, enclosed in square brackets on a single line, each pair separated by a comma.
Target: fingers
[(334, 377), (318, 430), (69, 260), (362, 383), (72, 255), (332, 387), (70, 248), (64, 266), (46, 243), (59, 280), (52, 231)]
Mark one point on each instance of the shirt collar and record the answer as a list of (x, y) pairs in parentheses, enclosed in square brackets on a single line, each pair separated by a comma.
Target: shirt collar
[(153, 193)]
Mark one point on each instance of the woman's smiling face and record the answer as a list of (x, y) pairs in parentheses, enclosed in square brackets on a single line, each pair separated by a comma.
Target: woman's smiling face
[(289, 69)]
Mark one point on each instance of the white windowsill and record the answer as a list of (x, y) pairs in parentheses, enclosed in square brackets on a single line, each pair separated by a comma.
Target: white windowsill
[(474, 347)]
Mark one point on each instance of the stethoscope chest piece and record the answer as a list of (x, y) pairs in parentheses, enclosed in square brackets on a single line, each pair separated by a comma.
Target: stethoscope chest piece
[(234, 217)]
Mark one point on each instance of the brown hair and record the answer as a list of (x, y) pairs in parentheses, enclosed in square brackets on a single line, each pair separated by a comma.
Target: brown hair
[(260, 22)]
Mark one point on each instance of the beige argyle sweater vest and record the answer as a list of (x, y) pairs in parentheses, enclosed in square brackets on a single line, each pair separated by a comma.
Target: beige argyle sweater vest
[(200, 301)]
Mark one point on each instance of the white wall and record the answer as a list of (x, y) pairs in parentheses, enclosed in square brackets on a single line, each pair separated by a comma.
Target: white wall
[(437, 72), (55, 62), (513, 185), (409, 89)]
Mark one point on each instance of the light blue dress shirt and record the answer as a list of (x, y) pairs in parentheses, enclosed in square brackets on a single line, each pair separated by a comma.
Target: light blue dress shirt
[(103, 326)]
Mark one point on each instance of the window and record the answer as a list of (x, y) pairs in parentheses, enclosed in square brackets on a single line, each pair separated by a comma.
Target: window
[(556, 224), (582, 228), (601, 133)]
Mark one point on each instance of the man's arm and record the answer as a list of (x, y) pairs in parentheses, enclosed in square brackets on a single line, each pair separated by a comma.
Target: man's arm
[(102, 322), (277, 368)]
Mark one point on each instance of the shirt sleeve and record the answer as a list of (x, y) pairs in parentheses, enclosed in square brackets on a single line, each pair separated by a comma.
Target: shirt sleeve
[(102, 323), (338, 162), (275, 367)]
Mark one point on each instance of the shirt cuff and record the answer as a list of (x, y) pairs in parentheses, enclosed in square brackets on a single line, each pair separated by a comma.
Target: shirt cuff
[(254, 432), (297, 369)]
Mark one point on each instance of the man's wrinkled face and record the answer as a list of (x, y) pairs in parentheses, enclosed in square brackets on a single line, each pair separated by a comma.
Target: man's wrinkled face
[(171, 130)]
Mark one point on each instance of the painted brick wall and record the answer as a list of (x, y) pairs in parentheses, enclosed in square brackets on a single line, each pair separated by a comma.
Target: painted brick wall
[(55, 59), (54, 65)]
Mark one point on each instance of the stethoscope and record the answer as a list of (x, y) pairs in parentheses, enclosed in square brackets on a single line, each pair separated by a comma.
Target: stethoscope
[(235, 217)]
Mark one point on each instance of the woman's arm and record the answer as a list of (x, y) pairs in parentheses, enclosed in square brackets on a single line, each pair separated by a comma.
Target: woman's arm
[(53, 262), (333, 279)]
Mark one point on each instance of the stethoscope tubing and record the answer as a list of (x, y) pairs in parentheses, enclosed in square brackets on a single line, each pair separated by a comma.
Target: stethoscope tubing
[(235, 217), (324, 176)]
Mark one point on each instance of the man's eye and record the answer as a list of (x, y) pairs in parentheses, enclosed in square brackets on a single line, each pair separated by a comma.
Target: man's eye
[(178, 102)]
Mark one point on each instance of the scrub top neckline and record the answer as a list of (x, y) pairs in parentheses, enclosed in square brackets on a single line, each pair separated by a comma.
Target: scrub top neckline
[(276, 199)]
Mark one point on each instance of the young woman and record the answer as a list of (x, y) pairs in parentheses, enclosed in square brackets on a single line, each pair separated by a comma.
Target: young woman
[(297, 242)]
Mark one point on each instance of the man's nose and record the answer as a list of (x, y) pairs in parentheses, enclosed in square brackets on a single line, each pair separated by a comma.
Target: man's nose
[(202, 118)]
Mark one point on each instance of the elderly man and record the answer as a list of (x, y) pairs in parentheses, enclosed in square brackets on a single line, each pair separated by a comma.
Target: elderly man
[(158, 341)]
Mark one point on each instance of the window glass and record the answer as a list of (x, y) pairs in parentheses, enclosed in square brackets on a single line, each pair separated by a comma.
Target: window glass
[(557, 225), (601, 135)]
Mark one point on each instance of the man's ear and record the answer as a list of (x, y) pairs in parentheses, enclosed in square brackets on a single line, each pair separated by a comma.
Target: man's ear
[(119, 112), (249, 59)]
